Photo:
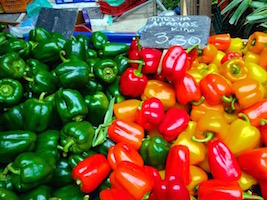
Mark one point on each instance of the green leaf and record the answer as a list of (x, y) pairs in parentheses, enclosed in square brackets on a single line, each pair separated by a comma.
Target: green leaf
[(230, 6), (239, 11)]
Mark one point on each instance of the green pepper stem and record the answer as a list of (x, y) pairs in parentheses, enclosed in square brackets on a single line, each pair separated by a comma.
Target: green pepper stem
[(209, 135), (248, 195), (79, 182), (78, 118), (191, 48), (61, 55), (137, 72), (233, 103), (42, 95), (11, 169), (70, 142), (28, 79), (245, 117), (138, 42), (86, 197), (60, 147), (235, 69), (197, 103), (227, 99), (263, 122), (134, 61)]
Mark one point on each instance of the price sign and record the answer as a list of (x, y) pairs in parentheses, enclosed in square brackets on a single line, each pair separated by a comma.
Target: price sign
[(164, 32)]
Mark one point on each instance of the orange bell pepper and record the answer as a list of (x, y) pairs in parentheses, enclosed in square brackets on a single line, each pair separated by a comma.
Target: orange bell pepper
[(132, 180), (198, 175), (125, 131), (257, 41), (126, 109), (234, 69), (123, 152), (221, 41), (247, 91), (196, 149), (208, 54), (161, 90), (263, 59)]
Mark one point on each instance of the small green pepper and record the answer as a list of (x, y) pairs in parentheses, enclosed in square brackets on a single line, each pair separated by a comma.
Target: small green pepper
[(84, 39), (42, 192), (11, 92), (69, 192), (14, 142), (33, 65), (6, 194), (106, 70), (20, 46), (70, 105), (112, 49), (98, 39), (91, 87), (74, 159), (122, 62), (60, 39), (97, 105), (113, 90), (154, 151), (74, 49), (39, 34), (5, 180), (103, 148), (12, 66)]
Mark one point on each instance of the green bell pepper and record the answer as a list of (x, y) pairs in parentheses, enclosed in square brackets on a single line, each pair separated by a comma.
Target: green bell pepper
[(98, 39), (12, 66), (42, 192), (30, 169), (76, 137), (33, 65), (72, 74), (20, 46), (103, 148), (74, 49), (42, 81), (47, 143), (97, 105), (13, 119), (154, 151), (122, 62), (5, 180), (2, 27), (112, 49), (69, 192), (11, 92), (2, 38), (6, 194), (106, 70), (113, 90), (62, 174), (47, 51), (38, 114), (84, 39), (14, 142), (90, 53), (70, 105), (91, 87), (39, 34), (60, 39), (74, 159)]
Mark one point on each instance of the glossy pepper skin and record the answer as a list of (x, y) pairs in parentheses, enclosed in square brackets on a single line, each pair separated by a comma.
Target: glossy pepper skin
[(174, 122), (177, 163), (20, 46), (214, 87), (132, 179), (150, 114), (40, 192), (220, 41), (256, 42), (154, 151), (39, 34), (106, 70), (70, 105), (33, 65), (198, 175), (76, 137), (39, 114), (151, 58), (257, 72), (122, 130), (123, 152), (112, 194), (84, 39), (174, 63), (112, 49), (74, 159), (263, 60), (113, 90), (70, 191), (15, 142), (12, 66), (74, 49), (90, 172), (187, 90), (11, 92), (126, 109), (6, 194), (231, 55), (31, 169), (208, 54), (122, 62), (98, 39), (263, 132), (222, 162)]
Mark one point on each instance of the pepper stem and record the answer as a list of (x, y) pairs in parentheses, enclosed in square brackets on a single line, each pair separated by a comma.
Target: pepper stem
[(227, 99), (70, 142), (248, 195), (245, 117), (191, 48), (42, 95), (28, 79), (11, 169), (79, 182), (263, 122), (209, 135), (235, 69), (86, 197), (62, 53), (138, 44), (137, 72), (197, 103)]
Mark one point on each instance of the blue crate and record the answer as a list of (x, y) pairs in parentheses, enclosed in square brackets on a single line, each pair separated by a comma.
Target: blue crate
[(67, 1), (88, 0)]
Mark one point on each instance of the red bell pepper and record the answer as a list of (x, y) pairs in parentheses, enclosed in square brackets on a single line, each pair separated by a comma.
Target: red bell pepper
[(222, 162), (171, 188), (132, 180), (174, 122), (263, 187), (123, 152), (192, 56), (150, 114), (113, 194), (133, 51), (178, 163), (187, 90), (263, 132), (253, 162), (231, 55), (220, 41), (215, 89), (151, 58), (257, 113), (174, 63), (90, 172), (152, 172), (125, 131), (222, 190), (133, 82)]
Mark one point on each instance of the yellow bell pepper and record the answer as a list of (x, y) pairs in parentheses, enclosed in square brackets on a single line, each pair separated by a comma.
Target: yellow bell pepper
[(218, 58), (196, 149), (242, 137), (251, 57), (193, 71), (263, 59), (256, 72), (246, 181), (198, 175), (230, 117), (236, 45), (205, 69), (192, 197), (205, 164), (126, 109), (161, 90)]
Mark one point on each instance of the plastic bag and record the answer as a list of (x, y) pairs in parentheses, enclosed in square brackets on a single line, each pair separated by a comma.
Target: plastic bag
[(34, 8)]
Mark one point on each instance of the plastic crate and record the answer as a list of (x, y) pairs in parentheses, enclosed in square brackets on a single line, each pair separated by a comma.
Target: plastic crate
[(67, 1), (106, 8)]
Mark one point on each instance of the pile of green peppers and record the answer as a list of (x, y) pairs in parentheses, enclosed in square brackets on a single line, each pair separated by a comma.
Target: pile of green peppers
[(54, 96)]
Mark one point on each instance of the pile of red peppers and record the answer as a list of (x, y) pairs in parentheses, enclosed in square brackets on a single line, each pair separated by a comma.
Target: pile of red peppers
[(192, 126)]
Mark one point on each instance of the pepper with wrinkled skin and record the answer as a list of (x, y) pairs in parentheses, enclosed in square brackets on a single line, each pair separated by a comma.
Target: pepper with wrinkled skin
[(74, 49), (33, 65), (19, 46), (39, 34), (106, 70)]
